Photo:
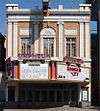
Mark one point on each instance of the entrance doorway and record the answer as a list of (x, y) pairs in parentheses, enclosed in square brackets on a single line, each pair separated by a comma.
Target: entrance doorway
[(49, 94)]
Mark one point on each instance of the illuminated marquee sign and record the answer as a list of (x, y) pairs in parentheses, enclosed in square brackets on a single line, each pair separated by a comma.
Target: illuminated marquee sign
[(33, 71)]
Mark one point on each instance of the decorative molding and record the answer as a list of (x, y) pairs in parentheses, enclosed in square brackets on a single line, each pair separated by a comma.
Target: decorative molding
[(80, 18), (47, 32), (71, 31), (25, 31)]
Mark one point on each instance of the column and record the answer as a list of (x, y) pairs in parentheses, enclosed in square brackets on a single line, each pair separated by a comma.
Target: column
[(41, 45), (9, 40), (53, 71), (87, 40), (82, 39), (49, 71), (36, 38), (61, 39), (17, 71), (15, 41), (88, 55), (54, 46)]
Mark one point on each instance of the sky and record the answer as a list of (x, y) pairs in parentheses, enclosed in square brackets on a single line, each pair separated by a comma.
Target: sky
[(32, 3)]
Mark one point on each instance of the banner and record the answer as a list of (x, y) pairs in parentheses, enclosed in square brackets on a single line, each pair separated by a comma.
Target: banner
[(72, 72), (33, 71)]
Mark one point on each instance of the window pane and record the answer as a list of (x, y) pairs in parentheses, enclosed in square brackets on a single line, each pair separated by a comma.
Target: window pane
[(71, 46), (25, 46), (68, 49), (73, 49), (49, 46)]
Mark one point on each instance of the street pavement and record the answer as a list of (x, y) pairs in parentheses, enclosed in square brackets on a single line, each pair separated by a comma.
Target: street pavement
[(64, 108)]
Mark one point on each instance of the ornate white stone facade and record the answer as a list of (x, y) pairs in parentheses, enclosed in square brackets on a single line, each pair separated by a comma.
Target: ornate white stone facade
[(57, 23)]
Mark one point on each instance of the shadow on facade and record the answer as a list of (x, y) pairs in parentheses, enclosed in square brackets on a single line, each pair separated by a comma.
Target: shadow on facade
[(44, 96), (36, 25)]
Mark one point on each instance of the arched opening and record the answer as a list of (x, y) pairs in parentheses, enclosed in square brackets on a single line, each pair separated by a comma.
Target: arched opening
[(48, 36)]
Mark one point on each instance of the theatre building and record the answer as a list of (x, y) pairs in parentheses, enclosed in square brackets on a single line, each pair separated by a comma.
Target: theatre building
[(48, 56)]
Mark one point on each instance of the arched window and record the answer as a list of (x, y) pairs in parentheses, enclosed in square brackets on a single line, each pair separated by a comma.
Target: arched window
[(48, 37)]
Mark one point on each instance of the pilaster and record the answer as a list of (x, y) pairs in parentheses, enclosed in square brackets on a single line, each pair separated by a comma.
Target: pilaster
[(15, 41), (54, 46), (82, 39), (36, 37), (61, 38), (9, 39), (41, 45), (87, 40)]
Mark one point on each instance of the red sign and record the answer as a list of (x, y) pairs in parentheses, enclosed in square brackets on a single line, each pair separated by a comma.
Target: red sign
[(74, 70)]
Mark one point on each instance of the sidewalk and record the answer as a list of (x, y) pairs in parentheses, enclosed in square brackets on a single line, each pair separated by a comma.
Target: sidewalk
[(64, 108)]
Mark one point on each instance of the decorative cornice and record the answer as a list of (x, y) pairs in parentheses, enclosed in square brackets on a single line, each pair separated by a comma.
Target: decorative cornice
[(50, 18), (51, 12)]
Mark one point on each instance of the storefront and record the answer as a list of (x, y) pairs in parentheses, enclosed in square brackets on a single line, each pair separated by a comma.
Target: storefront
[(44, 94)]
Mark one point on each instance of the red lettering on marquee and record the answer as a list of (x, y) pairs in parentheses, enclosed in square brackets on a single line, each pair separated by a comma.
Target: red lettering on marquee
[(74, 70)]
